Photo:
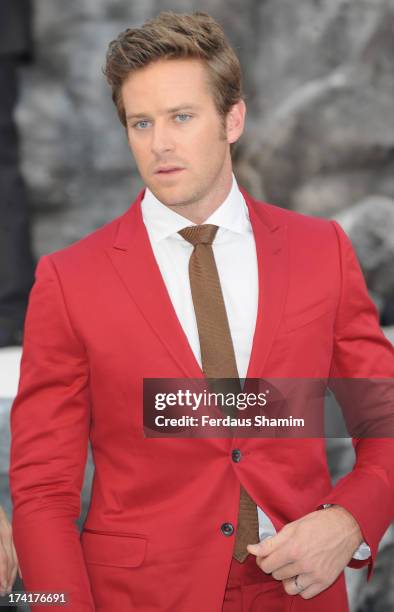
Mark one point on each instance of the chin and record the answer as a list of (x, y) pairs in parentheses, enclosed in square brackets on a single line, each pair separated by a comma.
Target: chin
[(171, 196)]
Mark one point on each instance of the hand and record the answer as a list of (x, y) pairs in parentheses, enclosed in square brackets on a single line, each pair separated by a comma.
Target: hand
[(309, 554), (8, 558)]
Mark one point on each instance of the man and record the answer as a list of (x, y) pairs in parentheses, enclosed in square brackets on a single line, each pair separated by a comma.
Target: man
[(16, 259), (127, 303)]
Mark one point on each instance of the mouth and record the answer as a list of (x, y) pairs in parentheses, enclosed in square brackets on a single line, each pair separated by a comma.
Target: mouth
[(168, 171)]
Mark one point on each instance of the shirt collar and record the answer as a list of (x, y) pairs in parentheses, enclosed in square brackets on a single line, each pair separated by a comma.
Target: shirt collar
[(161, 221)]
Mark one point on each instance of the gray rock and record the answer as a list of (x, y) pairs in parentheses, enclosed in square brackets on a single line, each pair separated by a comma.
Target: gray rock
[(330, 140), (370, 226)]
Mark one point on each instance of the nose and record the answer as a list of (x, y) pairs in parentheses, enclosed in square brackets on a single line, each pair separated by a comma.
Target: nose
[(161, 139)]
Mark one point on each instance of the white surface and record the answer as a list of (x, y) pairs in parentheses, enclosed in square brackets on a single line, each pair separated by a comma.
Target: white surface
[(9, 370)]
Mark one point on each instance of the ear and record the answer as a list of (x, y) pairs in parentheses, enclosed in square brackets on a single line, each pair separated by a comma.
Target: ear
[(235, 121)]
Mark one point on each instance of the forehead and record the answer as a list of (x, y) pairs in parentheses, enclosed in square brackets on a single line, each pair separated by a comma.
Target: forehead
[(167, 83)]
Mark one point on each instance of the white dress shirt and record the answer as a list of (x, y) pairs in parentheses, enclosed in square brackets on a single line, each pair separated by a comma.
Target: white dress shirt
[(235, 255)]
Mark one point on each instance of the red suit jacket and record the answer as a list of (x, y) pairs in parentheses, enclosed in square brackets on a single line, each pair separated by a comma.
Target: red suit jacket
[(100, 320)]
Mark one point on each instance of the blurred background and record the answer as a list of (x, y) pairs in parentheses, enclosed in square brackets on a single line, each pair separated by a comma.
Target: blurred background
[(319, 139)]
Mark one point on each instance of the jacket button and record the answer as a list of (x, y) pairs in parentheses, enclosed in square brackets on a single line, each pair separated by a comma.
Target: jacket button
[(236, 455), (227, 529)]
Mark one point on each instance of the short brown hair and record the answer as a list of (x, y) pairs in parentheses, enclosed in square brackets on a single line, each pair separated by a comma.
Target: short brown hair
[(172, 36)]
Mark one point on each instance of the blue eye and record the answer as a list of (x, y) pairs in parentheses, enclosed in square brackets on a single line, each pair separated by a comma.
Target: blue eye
[(138, 124), (184, 115)]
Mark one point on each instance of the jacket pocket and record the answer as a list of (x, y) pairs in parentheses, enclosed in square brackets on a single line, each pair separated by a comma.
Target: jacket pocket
[(101, 548)]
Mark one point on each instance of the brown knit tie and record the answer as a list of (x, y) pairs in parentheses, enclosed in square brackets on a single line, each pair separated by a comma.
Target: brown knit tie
[(217, 351)]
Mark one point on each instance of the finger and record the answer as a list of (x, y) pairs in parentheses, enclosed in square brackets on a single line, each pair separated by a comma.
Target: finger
[(8, 546), (312, 591), (14, 567), (3, 567), (268, 545), (277, 560), (17, 562), (304, 582), (287, 571)]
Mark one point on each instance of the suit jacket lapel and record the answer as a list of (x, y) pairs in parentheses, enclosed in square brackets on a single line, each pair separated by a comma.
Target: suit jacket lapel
[(272, 260), (135, 263)]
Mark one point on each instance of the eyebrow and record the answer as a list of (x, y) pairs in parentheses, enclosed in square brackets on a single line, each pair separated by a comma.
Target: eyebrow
[(167, 111)]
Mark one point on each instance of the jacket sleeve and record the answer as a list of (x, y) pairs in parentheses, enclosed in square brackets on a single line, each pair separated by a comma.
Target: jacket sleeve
[(50, 420), (361, 351)]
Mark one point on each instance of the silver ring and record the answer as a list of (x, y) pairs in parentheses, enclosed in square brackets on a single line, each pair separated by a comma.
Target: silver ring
[(298, 585)]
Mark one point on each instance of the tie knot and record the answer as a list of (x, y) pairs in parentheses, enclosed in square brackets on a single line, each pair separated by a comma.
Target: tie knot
[(199, 234)]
